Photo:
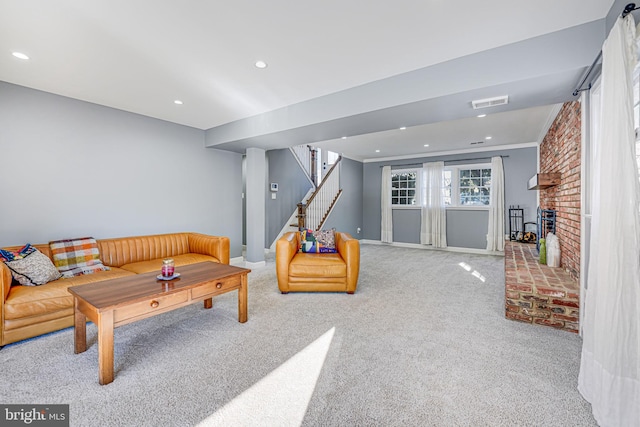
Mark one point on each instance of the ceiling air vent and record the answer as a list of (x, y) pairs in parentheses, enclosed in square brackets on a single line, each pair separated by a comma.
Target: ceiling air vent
[(490, 102)]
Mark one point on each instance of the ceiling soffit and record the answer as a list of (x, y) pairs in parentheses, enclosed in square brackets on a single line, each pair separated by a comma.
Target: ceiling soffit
[(538, 71)]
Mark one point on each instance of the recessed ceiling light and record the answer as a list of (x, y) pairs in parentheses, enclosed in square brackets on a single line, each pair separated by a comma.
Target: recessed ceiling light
[(426, 145), (482, 115), (487, 137), (261, 64), (344, 137), (377, 151), (20, 55), (178, 102), (403, 128)]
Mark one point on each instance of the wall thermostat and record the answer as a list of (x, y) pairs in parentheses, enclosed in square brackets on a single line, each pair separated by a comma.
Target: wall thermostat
[(274, 186)]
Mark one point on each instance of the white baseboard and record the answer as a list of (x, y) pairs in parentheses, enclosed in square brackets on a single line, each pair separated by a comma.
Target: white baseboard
[(258, 264), (429, 247)]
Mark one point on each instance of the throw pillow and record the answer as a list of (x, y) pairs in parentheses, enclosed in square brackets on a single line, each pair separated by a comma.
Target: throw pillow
[(322, 241), (75, 257), (33, 269), (6, 255)]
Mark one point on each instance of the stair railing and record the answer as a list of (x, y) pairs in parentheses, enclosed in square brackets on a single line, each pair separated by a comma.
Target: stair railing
[(314, 213)]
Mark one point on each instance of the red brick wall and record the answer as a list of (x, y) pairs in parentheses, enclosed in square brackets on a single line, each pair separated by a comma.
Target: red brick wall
[(560, 152)]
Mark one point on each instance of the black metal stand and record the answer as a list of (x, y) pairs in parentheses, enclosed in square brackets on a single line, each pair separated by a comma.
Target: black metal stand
[(516, 223)]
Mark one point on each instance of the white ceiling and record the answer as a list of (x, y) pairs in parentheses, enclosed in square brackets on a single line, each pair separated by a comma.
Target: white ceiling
[(520, 128), (140, 56)]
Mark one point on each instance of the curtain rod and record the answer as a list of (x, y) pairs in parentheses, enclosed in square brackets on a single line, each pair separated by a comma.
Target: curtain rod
[(446, 161), (627, 10)]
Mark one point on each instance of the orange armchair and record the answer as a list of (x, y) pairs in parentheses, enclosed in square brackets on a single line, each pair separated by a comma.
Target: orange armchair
[(315, 272)]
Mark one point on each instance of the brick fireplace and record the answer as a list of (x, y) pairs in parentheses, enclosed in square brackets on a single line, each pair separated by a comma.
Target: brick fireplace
[(560, 153), (536, 293)]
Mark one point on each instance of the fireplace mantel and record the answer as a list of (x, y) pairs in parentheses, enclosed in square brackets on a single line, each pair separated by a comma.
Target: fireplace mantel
[(540, 181)]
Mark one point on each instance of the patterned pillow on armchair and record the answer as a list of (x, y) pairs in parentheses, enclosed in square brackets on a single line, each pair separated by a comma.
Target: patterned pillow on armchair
[(321, 241)]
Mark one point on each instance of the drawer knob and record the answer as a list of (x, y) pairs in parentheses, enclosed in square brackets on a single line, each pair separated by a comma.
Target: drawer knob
[(219, 285), (155, 304)]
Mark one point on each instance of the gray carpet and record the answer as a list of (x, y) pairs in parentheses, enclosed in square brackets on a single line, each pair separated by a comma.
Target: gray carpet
[(423, 342)]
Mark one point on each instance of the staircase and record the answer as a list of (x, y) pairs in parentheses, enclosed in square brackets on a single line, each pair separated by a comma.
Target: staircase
[(306, 157), (318, 206)]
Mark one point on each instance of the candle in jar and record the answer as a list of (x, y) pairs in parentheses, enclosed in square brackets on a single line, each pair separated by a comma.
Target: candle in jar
[(168, 267)]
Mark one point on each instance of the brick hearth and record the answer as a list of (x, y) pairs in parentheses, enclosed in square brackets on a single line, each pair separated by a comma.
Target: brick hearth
[(537, 293)]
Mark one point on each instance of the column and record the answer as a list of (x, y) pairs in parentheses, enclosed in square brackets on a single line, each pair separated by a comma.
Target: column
[(255, 202)]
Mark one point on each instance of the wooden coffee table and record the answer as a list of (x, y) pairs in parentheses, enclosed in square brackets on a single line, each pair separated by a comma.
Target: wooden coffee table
[(116, 302)]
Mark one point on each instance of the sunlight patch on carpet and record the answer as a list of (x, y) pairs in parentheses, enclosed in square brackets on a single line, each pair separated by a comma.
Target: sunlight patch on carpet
[(281, 398), (475, 273)]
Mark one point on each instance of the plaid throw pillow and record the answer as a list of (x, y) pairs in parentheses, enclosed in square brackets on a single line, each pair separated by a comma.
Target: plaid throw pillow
[(75, 257), (322, 241)]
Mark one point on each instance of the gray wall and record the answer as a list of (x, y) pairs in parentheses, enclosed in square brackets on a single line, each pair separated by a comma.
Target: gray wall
[(293, 185), (347, 213), (404, 225), (72, 169), (467, 228)]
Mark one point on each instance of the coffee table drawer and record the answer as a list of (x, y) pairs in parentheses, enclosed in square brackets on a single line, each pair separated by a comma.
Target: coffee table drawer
[(149, 306), (219, 286)]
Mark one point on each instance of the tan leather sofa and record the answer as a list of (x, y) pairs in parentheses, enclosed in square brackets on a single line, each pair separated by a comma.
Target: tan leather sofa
[(310, 272), (29, 311)]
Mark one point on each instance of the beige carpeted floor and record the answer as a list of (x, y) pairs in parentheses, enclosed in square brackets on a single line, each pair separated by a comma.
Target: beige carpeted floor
[(423, 342)]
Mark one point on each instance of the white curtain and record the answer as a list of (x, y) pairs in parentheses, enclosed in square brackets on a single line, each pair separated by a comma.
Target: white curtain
[(495, 233), (610, 366), (433, 228), (386, 233)]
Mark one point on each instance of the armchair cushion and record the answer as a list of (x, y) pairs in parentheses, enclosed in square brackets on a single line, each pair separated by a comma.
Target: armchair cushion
[(311, 265)]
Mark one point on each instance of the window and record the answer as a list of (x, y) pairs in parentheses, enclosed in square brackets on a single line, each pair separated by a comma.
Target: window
[(467, 185), (447, 182), (464, 185), (474, 186), (404, 185), (332, 157)]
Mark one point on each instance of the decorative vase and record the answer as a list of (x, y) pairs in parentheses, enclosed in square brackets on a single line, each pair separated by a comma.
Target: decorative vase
[(543, 251)]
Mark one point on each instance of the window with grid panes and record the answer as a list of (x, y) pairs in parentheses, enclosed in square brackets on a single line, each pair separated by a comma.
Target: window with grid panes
[(404, 188), (467, 185), (474, 186)]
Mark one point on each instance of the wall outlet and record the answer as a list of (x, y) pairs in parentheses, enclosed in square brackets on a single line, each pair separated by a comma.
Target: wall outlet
[(358, 230)]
